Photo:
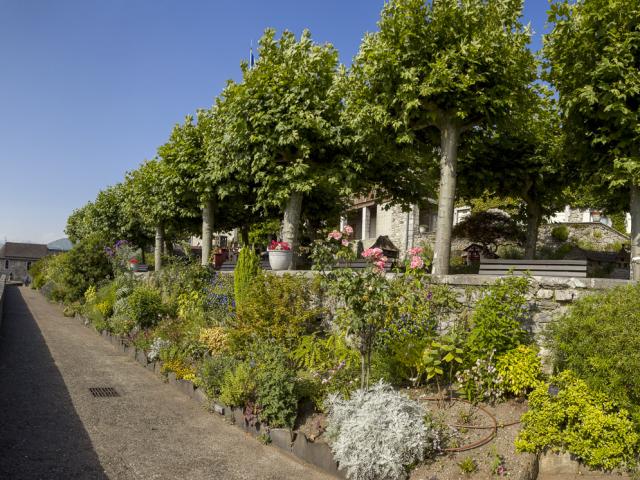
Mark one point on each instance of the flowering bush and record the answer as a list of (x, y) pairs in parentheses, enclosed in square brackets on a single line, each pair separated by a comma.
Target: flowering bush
[(278, 246), (482, 382), (418, 259), (157, 346), (122, 255), (379, 433), (336, 247)]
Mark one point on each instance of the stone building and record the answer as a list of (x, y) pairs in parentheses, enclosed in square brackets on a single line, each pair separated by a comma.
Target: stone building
[(16, 258)]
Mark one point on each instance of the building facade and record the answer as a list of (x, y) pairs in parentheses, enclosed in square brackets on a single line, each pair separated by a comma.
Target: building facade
[(17, 258)]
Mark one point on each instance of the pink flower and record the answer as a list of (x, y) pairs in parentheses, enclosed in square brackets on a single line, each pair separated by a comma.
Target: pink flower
[(416, 262), (380, 264), (345, 242), (279, 246), (416, 251), (348, 230), (335, 235), (373, 253)]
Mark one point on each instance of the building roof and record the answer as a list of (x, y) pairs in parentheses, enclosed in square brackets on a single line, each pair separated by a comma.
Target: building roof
[(23, 250)]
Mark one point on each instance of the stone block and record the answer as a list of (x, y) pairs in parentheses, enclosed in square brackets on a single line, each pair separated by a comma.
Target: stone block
[(544, 294), (151, 366), (171, 378), (201, 397), (158, 367), (565, 295), (316, 453), (281, 438), (219, 409), (185, 386), (558, 464), (141, 357)]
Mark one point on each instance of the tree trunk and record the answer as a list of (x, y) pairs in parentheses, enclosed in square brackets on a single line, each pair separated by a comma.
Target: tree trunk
[(143, 255), (291, 225), (207, 231), (244, 233), (635, 231), (534, 216), (449, 138), (158, 247)]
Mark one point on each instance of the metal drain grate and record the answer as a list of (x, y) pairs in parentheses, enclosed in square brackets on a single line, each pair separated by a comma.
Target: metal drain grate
[(103, 392)]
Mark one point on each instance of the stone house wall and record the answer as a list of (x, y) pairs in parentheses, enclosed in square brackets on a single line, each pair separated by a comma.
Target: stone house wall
[(16, 269), (595, 234)]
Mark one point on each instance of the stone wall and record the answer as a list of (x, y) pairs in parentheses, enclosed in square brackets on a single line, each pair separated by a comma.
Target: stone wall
[(595, 235), (17, 268)]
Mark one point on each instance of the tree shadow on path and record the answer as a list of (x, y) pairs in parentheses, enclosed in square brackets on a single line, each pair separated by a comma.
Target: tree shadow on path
[(41, 435)]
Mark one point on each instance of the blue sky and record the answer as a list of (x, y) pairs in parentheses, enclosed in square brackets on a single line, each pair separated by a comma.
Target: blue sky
[(90, 88)]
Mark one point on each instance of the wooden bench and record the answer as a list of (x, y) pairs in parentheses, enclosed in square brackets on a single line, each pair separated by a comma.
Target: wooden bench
[(230, 266), (537, 268)]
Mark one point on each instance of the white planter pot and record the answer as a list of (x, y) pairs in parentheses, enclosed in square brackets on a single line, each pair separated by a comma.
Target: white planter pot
[(280, 259)]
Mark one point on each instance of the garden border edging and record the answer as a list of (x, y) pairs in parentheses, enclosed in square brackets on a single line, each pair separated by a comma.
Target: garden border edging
[(299, 446)]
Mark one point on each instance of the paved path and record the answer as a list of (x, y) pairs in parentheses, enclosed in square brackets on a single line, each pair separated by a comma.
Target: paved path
[(52, 428)]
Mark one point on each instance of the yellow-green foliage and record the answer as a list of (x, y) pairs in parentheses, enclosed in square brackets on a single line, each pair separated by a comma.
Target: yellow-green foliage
[(238, 386), (244, 274), (182, 371), (277, 308), (214, 339), (580, 421), (520, 369)]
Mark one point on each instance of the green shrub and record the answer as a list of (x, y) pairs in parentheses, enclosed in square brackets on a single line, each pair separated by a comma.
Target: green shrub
[(560, 233), (520, 370), (277, 308), (599, 339), (244, 274), (497, 318), (145, 305), (580, 421), (238, 385), (276, 389), (212, 371)]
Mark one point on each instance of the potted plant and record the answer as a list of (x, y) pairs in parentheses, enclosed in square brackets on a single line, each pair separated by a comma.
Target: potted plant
[(133, 264), (279, 255)]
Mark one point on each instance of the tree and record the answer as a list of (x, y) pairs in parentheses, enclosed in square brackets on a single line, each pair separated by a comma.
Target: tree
[(593, 57), (153, 193), (283, 126), (521, 160), (490, 229), (440, 69)]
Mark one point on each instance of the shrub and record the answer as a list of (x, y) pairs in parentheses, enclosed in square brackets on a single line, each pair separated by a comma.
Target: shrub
[(245, 273), (145, 306), (380, 433), (276, 308), (599, 339), (497, 318), (578, 420), (481, 381), (560, 233), (276, 389), (214, 339), (212, 371), (238, 385), (520, 370)]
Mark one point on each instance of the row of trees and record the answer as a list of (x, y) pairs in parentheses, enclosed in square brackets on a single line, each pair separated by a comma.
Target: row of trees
[(444, 89)]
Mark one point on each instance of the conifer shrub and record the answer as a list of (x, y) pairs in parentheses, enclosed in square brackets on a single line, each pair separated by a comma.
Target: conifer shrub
[(244, 274)]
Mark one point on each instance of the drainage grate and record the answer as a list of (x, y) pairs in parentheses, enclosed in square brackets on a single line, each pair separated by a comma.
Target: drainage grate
[(104, 392)]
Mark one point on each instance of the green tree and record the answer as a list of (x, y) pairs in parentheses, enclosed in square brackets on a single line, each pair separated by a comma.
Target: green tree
[(282, 126), (440, 69), (521, 160), (593, 53), (154, 194)]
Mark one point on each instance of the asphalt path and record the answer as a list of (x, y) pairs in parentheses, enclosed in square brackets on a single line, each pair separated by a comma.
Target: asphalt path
[(51, 427)]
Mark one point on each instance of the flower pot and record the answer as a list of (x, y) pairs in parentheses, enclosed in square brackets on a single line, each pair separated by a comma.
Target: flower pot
[(218, 259), (423, 229), (280, 259)]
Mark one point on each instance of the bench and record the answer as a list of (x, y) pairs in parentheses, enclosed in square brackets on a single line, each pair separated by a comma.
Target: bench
[(229, 266), (537, 268)]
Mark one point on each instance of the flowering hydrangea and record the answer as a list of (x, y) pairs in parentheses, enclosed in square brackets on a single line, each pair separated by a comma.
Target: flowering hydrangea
[(335, 235), (376, 256), (416, 262), (348, 230)]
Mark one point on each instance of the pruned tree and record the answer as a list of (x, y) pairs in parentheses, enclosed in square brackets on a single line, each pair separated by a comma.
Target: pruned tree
[(282, 127), (593, 57), (433, 72), (521, 160)]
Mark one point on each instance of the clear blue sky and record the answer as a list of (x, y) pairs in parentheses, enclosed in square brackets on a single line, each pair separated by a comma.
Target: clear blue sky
[(90, 88)]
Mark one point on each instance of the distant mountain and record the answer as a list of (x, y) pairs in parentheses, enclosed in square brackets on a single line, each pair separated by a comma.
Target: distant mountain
[(63, 244)]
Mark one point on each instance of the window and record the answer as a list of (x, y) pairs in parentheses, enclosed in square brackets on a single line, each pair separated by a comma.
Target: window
[(427, 217), (6, 264), (28, 265)]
